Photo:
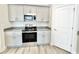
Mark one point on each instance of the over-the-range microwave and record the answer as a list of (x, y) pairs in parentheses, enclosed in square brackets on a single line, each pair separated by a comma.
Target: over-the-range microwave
[(29, 17)]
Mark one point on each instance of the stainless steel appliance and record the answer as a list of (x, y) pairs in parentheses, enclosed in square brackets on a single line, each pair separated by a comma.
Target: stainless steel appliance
[(29, 17), (29, 34)]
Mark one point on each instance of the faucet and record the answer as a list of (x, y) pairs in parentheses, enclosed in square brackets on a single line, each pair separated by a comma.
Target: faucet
[(28, 25)]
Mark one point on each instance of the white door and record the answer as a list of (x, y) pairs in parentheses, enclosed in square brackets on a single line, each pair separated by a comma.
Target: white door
[(63, 38), (9, 39), (63, 27), (63, 16)]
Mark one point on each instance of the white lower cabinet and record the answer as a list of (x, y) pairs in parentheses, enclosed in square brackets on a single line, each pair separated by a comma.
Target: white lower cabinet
[(17, 36), (43, 37), (47, 37), (13, 38)]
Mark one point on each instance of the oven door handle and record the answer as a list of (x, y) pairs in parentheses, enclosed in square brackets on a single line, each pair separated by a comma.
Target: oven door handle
[(29, 32)]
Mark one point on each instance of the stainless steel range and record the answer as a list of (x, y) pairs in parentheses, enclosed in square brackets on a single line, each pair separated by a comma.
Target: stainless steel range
[(29, 34)]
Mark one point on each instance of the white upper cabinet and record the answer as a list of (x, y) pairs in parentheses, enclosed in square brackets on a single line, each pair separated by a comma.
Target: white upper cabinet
[(12, 12), (16, 13), (42, 13), (29, 9), (19, 12)]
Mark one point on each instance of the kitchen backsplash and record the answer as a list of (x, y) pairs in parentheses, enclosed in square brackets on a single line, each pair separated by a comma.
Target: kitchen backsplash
[(23, 24)]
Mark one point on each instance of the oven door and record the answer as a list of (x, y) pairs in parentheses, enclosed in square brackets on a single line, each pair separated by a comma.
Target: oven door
[(29, 37)]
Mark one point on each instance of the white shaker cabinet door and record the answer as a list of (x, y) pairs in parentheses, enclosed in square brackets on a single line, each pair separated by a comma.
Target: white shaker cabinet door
[(20, 14), (9, 39), (17, 36), (42, 13), (16, 12), (43, 37), (47, 37), (12, 12), (13, 38), (29, 9)]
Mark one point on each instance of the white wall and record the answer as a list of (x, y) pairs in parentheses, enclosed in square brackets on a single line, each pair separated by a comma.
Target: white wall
[(4, 15), (22, 24), (78, 17), (4, 23), (61, 5)]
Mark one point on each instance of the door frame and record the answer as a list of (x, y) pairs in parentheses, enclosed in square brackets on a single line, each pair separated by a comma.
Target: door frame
[(75, 30)]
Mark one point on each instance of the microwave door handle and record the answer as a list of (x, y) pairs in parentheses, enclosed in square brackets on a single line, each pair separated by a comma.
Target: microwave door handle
[(34, 17)]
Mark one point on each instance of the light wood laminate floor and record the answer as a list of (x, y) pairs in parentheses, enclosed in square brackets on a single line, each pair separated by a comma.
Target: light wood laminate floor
[(42, 49)]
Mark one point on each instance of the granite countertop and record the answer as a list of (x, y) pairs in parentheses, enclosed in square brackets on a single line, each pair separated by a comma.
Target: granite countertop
[(43, 28), (22, 28), (14, 28)]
